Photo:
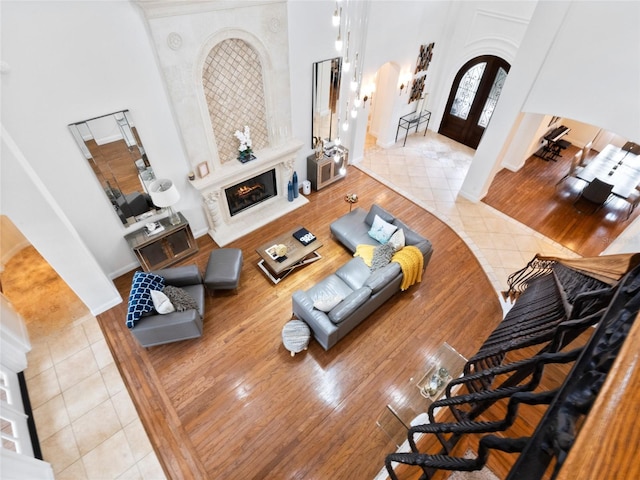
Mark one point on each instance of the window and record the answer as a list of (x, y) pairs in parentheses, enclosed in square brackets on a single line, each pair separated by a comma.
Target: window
[(494, 94), (467, 91)]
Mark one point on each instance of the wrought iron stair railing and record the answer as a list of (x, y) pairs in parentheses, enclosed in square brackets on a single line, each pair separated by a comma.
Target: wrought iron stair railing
[(554, 305)]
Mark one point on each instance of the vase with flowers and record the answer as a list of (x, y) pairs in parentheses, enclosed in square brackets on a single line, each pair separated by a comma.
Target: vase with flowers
[(245, 153)]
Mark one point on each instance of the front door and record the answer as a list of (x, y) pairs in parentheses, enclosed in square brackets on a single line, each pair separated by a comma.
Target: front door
[(474, 94)]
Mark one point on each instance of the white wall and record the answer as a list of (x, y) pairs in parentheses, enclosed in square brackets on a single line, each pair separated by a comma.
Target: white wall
[(26, 201), (591, 73), (70, 61), (580, 133), (311, 39)]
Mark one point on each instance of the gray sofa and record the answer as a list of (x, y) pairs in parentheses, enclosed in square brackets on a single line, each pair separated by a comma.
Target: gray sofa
[(361, 291), (155, 329)]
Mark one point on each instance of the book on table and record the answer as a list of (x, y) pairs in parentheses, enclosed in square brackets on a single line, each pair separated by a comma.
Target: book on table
[(304, 236)]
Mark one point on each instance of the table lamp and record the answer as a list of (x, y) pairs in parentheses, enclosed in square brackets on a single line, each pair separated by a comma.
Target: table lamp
[(164, 194)]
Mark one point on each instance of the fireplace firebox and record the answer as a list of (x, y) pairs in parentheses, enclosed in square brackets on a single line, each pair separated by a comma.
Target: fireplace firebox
[(251, 192)]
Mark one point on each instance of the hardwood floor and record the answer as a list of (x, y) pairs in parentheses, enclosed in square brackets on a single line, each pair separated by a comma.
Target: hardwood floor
[(531, 196), (234, 403)]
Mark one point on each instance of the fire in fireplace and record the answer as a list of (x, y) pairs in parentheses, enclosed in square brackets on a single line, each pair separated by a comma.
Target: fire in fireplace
[(251, 192)]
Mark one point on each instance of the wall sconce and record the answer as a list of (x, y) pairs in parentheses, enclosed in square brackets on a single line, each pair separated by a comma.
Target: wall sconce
[(405, 79), (368, 93)]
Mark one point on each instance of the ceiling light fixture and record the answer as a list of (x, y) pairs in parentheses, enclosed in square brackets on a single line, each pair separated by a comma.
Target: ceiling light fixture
[(346, 66), (339, 42), (354, 82), (336, 16)]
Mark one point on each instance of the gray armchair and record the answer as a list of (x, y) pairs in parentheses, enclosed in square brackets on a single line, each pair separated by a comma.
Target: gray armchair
[(155, 329)]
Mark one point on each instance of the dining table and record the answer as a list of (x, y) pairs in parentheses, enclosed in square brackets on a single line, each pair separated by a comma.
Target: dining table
[(616, 166)]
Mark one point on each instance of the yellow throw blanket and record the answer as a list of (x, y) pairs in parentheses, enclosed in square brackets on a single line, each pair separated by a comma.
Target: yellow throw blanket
[(410, 259)]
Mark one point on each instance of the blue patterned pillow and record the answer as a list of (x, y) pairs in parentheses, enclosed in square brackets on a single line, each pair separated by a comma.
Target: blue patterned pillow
[(381, 230), (139, 298)]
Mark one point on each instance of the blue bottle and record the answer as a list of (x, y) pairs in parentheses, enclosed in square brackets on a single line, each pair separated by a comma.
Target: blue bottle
[(295, 185), (290, 191)]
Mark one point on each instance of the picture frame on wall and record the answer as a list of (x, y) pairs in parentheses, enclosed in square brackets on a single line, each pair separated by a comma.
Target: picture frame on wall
[(203, 169), (416, 89), (424, 58)]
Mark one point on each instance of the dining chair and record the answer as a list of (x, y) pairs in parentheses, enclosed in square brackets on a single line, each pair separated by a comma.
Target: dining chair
[(595, 194), (576, 165), (585, 152), (634, 200)]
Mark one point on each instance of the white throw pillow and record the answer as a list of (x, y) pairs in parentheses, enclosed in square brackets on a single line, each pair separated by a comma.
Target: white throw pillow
[(326, 303), (161, 302), (397, 240), (381, 230)]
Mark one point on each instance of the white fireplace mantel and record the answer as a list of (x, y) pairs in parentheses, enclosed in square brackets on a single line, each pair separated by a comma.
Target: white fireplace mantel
[(225, 228), (230, 173)]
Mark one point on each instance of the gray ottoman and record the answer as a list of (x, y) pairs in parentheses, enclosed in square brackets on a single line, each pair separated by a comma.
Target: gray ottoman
[(223, 269), (295, 336)]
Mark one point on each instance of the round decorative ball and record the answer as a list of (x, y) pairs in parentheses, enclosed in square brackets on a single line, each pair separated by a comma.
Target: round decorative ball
[(281, 250)]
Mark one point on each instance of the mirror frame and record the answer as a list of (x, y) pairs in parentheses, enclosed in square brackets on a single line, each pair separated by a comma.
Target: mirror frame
[(112, 146), (325, 88)]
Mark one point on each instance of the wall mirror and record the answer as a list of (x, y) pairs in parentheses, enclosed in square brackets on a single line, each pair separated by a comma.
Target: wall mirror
[(325, 96), (112, 147)]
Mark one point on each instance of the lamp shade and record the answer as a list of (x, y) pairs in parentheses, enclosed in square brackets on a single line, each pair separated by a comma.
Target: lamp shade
[(164, 193)]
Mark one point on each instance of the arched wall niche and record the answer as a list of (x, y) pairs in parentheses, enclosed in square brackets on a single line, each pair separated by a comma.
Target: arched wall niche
[(246, 92)]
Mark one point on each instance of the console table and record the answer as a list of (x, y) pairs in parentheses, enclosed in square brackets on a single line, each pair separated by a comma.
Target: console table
[(411, 120), (325, 170), (164, 248)]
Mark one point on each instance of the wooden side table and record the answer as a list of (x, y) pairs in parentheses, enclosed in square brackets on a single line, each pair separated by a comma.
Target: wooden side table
[(165, 248)]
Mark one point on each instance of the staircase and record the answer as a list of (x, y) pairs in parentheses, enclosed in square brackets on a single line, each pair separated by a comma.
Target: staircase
[(555, 302)]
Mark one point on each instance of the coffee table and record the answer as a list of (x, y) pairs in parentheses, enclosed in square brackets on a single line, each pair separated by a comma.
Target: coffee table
[(411, 399), (297, 255)]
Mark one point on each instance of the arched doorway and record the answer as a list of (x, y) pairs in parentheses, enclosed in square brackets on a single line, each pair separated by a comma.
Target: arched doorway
[(473, 97)]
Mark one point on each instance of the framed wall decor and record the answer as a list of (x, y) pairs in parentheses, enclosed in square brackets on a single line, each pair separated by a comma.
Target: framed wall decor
[(203, 169), (424, 58), (416, 88)]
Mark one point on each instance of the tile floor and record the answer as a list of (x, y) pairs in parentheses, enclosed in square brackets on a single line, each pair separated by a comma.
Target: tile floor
[(87, 424), (430, 170)]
